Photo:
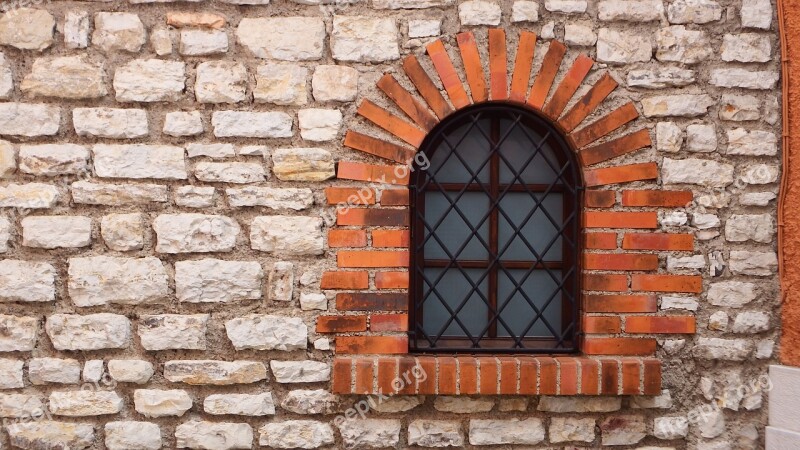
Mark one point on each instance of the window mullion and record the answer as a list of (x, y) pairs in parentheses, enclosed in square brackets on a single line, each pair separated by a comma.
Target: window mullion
[(494, 224)]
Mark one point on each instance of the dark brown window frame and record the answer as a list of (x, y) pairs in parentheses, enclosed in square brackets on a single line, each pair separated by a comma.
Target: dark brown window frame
[(571, 188)]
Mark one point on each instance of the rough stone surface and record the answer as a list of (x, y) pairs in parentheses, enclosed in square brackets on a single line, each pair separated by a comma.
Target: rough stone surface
[(139, 161), (296, 434), (300, 371), (316, 401), (54, 370), (173, 331), (435, 433), (149, 80), (616, 47), (154, 403), (479, 12), (29, 120), (51, 232), (102, 280), (118, 31), (364, 39), (214, 280), (130, 370), (335, 83), (285, 84), (703, 172), (220, 82), (26, 281), (370, 433), (285, 38), (132, 436), (217, 373), (27, 29), (53, 159), (287, 235), (302, 164), (84, 403), (265, 332), (251, 124), (88, 332), (49, 434), (240, 404), (190, 233), (69, 77), (680, 105), (214, 435), (514, 431)]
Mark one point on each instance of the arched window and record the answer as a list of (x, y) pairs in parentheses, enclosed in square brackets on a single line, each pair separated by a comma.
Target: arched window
[(495, 235)]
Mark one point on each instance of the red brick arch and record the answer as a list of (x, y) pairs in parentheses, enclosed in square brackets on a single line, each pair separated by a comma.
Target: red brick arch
[(621, 267)]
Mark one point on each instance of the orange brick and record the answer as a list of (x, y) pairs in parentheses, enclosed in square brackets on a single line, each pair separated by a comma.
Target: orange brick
[(489, 372), (667, 283), (349, 170), (605, 125), (548, 376), (602, 324), (658, 241), (342, 375), (395, 125), (620, 303), (369, 301), (394, 197), (448, 74), (601, 241), (660, 324), (372, 216), (344, 280), (619, 346), (621, 219), (508, 375), (467, 375), (599, 199), (620, 174), (652, 377), (350, 195), (605, 282), (447, 376), (391, 280), (568, 374), (619, 261), (341, 324), (427, 384), (372, 344), (365, 376), (590, 376), (528, 376), (609, 377), (388, 322), (409, 373), (387, 372), (390, 238), (347, 238), (630, 376), (666, 199), (368, 258)]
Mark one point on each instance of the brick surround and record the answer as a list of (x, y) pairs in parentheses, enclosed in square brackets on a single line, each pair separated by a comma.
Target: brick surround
[(620, 264)]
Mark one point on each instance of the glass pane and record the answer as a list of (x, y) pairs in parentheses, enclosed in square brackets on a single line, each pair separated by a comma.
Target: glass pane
[(454, 231), (518, 313), (472, 147), (538, 230), (454, 289), (517, 149)]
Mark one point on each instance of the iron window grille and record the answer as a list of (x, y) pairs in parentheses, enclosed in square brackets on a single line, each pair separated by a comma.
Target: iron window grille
[(495, 236)]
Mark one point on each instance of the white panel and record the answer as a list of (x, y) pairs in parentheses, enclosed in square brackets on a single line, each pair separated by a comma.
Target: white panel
[(778, 439), (784, 407)]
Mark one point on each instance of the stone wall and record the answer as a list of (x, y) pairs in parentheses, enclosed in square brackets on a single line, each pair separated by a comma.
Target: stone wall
[(165, 220)]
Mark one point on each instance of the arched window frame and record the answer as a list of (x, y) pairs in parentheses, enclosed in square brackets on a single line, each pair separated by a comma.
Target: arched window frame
[(571, 186)]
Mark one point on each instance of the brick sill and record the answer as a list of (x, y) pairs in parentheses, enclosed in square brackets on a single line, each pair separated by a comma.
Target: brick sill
[(490, 375)]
